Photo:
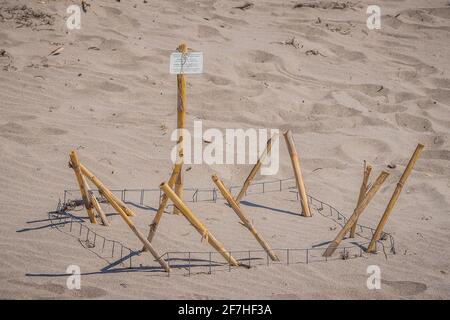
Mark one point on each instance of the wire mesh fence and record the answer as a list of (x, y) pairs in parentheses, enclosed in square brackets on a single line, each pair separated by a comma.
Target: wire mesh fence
[(206, 262)]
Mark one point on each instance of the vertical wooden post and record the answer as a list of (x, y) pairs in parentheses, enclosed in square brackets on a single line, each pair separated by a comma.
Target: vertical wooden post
[(162, 207), (247, 223), (361, 207), (297, 171), (362, 193), (395, 196), (181, 124), (75, 164), (198, 225), (255, 169), (113, 201)]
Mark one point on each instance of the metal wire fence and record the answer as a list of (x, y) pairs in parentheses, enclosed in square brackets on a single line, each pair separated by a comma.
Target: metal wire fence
[(207, 262)]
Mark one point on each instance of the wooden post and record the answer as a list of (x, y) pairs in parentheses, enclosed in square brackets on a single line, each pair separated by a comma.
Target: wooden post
[(75, 164), (247, 223), (181, 120), (255, 169), (97, 206), (162, 207), (362, 193), (297, 171), (361, 207), (395, 196), (113, 201), (198, 225)]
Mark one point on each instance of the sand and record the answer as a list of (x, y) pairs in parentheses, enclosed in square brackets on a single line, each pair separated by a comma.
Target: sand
[(349, 94)]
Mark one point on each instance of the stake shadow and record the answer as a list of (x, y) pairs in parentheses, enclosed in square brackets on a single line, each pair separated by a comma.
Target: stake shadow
[(321, 244), (359, 245), (251, 204), (141, 206), (51, 225), (120, 261), (203, 262), (112, 271)]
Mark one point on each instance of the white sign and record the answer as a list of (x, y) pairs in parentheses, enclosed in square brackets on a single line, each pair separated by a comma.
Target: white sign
[(186, 63)]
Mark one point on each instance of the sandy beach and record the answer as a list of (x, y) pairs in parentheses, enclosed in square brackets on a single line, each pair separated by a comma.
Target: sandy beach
[(347, 93)]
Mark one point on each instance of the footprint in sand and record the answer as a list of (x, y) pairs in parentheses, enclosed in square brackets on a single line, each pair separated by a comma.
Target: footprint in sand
[(259, 56), (441, 95), (208, 32), (406, 288), (437, 154), (53, 131), (84, 292), (347, 55), (406, 96), (364, 149), (218, 80), (334, 110), (17, 133), (111, 87), (415, 123)]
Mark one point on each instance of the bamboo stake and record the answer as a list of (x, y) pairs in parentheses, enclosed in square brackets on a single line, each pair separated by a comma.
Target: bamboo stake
[(246, 222), (162, 207), (75, 165), (361, 207), (113, 201), (255, 169), (97, 206), (87, 173), (395, 196), (362, 192), (298, 173), (198, 225), (181, 120)]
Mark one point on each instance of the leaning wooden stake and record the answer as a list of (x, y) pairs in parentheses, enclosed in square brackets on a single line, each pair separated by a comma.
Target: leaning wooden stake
[(198, 225), (181, 120), (297, 172), (75, 165), (114, 203), (363, 205), (394, 198), (362, 193), (255, 169), (246, 222), (162, 207), (97, 206), (128, 211)]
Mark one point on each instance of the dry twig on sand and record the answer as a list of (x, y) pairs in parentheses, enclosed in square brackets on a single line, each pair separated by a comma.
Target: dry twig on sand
[(246, 6), (314, 53), (325, 5)]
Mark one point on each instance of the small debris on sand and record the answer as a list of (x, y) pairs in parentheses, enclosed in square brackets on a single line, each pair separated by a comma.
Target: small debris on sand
[(293, 42), (344, 255), (6, 61), (56, 52), (392, 165), (24, 16), (85, 5), (325, 5), (314, 53), (246, 6), (163, 128)]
